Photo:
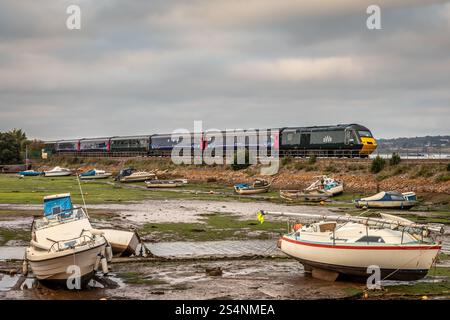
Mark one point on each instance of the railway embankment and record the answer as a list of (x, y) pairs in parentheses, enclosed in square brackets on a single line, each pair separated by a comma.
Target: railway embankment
[(421, 176)]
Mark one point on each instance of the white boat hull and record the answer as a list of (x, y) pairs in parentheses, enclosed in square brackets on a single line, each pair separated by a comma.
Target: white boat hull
[(385, 204), (98, 176), (336, 190), (137, 178), (123, 243), (399, 262), (53, 266), (57, 174)]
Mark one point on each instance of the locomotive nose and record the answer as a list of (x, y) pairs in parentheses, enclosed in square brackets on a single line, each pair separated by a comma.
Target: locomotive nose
[(369, 145)]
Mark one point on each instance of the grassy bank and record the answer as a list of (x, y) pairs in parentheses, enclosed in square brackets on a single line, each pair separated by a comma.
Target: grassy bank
[(31, 190)]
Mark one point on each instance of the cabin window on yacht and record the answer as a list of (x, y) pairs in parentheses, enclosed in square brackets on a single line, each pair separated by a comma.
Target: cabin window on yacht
[(396, 197), (371, 239)]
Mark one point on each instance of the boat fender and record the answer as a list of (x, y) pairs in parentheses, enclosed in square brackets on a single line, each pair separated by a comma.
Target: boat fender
[(108, 253), (97, 262), (104, 265), (25, 268), (97, 232), (39, 246)]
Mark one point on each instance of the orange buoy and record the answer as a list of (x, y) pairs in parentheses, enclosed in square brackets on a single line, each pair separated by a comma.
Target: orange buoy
[(297, 226)]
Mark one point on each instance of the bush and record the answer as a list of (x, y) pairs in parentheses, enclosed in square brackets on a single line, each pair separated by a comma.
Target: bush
[(400, 170), (299, 166), (424, 172), (312, 159), (311, 168), (286, 160), (395, 159), (377, 164), (443, 178), (331, 169), (448, 166)]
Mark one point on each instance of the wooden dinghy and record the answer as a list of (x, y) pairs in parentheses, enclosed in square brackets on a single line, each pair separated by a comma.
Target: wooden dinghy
[(328, 184), (259, 186), (123, 243), (298, 195), (165, 183), (131, 175)]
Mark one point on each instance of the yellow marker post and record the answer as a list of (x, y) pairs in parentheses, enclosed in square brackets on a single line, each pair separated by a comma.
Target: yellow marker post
[(260, 217)]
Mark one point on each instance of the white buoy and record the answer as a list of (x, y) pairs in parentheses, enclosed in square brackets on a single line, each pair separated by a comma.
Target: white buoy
[(104, 265), (108, 253)]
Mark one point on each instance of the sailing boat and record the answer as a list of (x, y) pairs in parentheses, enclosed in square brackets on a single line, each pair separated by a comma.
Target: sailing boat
[(346, 245)]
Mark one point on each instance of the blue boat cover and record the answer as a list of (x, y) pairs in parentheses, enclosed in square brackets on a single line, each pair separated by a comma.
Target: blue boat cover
[(88, 173), (29, 173), (242, 186), (57, 205), (331, 185)]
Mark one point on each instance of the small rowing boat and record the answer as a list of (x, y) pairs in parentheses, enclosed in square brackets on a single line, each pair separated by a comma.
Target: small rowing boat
[(131, 175), (327, 184), (259, 186), (123, 243), (310, 196), (165, 183)]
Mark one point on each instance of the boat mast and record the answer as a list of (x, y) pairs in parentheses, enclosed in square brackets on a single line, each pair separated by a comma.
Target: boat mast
[(358, 219), (82, 195)]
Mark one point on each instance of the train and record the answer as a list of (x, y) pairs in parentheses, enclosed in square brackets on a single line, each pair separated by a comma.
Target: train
[(342, 140)]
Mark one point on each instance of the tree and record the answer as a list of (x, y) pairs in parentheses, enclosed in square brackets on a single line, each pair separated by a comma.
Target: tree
[(9, 149), (20, 136)]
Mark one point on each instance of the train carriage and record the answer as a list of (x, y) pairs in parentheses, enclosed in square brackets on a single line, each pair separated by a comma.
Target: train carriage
[(68, 146), (95, 145), (162, 144), (130, 144)]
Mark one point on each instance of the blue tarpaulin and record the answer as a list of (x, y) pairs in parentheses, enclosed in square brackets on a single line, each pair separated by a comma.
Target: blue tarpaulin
[(57, 205), (88, 173)]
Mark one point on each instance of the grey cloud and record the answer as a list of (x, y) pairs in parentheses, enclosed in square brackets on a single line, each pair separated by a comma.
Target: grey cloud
[(153, 66)]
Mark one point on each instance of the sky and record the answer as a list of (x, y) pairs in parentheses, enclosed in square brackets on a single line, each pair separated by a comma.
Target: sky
[(152, 66)]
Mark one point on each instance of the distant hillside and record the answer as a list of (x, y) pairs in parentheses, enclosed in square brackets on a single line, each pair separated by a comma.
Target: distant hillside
[(420, 144)]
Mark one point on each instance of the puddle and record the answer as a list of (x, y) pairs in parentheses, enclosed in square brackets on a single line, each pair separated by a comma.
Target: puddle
[(16, 223), (215, 248), (12, 253)]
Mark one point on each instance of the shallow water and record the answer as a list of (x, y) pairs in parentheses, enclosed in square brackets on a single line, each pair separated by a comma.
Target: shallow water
[(187, 249)]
